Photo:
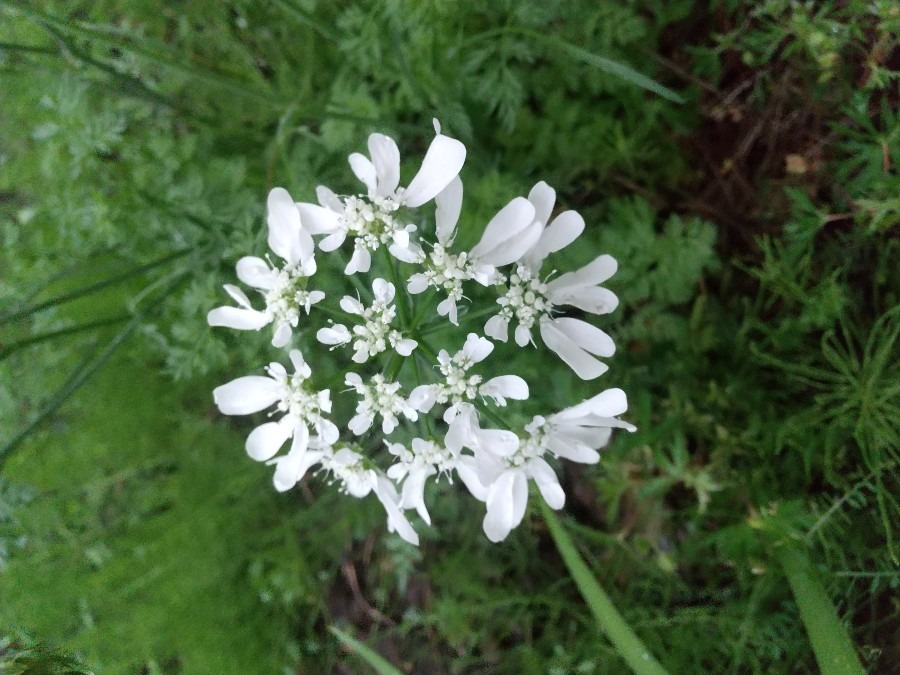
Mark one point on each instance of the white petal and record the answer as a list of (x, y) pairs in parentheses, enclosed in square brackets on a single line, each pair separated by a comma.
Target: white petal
[(596, 272), (542, 197), (423, 397), (607, 403), (449, 204), (442, 162), (499, 442), (246, 395), (266, 440), (328, 199), (506, 501), (508, 229), (417, 283), (466, 469), (286, 238), (317, 219), (335, 335), (360, 261), (413, 496), (411, 253), (234, 317), (386, 160), (588, 337), (523, 335), (504, 387), (238, 295), (292, 467), (328, 430), (574, 451), (282, 335), (497, 328), (584, 365), (446, 307), (364, 170), (387, 495), (299, 363), (352, 306), (405, 347), (333, 241), (564, 229), (477, 348), (593, 299), (255, 272), (547, 483), (360, 424), (383, 290)]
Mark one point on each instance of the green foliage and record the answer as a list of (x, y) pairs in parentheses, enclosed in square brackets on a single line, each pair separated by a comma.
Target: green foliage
[(755, 229)]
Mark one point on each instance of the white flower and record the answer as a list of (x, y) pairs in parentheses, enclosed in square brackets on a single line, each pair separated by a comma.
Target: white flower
[(379, 397), (499, 470), (530, 300), (507, 237), (375, 335), (459, 387), (426, 458), (358, 478), (371, 218), (303, 408), (284, 288)]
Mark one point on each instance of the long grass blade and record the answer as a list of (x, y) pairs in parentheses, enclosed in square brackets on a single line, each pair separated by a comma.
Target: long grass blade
[(377, 662), (6, 350), (624, 639), (831, 644)]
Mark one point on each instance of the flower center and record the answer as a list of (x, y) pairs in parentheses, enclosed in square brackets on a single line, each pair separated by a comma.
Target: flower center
[(298, 401), (371, 220), (288, 295), (447, 271), (527, 298), (458, 386)]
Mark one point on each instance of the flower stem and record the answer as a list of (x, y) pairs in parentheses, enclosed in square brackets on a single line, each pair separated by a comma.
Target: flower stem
[(624, 639), (833, 648)]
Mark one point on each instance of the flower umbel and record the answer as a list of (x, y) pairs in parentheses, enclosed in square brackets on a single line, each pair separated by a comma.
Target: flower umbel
[(415, 400)]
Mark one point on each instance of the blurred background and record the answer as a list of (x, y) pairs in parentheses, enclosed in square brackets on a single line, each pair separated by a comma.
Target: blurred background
[(738, 158)]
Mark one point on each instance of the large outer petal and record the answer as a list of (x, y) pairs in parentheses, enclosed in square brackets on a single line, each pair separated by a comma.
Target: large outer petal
[(506, 501), (547, 483), (317, 219), (579, 360), (386, 160), (247, 395), (286, 237), (449, 205), (509, 234), (564, 229), (255, 272), (543, 197), (237, 318), (443, 160), (592, 299), (364, 170), (607, 403), (266, 440), (596, 272)]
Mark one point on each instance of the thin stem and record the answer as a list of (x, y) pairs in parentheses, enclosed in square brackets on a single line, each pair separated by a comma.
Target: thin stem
[(834, 650), (400, 300), (624, 639), (37, 339), (87, 290)]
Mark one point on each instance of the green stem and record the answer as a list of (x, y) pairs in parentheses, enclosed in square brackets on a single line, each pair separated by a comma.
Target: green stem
[(87, 290), (834, 650), (6, 350), (624, 639)]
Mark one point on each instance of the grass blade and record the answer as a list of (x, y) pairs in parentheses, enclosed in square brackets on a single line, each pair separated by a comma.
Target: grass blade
[(377, 662), (834, 650), (625, 640)]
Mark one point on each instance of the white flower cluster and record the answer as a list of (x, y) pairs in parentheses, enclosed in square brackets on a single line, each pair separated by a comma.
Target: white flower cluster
[(396, 376)]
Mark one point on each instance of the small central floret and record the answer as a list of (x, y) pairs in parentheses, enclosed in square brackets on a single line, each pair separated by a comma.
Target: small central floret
[(371, 220), (527, 299), (458, 386), (288, 295), (297, 400)]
